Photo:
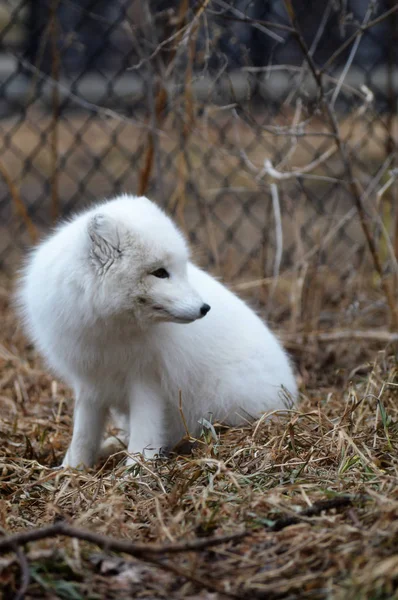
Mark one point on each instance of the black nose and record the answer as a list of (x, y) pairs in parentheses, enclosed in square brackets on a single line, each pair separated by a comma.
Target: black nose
[(204, 309)]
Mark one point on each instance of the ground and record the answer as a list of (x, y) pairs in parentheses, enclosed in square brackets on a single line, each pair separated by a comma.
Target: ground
[(313, 491)]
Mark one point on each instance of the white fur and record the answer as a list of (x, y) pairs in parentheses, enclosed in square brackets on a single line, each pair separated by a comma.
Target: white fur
[(114, 331)]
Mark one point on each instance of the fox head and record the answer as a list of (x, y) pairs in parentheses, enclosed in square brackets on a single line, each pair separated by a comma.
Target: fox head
[(138, 263)]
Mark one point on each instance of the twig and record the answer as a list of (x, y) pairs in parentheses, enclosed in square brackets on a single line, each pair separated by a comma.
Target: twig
[(181, 34), (19, 205), (350, 178), (245, 19), (25, 574), (353, 52), (254, 22), (149, 77), (335, 336), (138, 550), (161, 97), (349, 215), (187, 122), (393, 175), (269, 170), (278, 229), (295, 125), (55, 69), (312, 511), (278, 238), (314, 45), (102, 111), (152, 553), (359, 31), (201, 582), (184, 422)]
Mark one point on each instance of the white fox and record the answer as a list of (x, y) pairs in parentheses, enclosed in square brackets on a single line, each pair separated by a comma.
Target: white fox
[(115, 306)]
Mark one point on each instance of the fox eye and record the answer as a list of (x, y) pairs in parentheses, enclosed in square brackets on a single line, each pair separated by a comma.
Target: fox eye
[(161, 273)]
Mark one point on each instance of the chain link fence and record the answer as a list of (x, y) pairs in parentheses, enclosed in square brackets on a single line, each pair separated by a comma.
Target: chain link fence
[(214, 110)]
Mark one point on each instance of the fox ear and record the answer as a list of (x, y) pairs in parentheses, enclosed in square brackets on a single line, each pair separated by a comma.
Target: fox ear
[(105, 239)]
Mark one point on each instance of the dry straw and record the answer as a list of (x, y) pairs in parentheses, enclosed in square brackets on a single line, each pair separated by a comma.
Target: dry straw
[(307, 499)]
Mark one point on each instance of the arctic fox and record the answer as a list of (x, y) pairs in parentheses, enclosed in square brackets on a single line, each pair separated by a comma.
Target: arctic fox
[(114, 304)]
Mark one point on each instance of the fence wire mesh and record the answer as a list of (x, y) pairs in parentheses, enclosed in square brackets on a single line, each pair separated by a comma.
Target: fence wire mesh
[(223, 112)]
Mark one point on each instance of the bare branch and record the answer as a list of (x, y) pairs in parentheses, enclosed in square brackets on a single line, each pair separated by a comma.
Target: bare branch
[(139, 550), (393, 176), (254, 22), (152, 553), (55, 71), (273, 173), (360, 31), (353, 52), (102, 111), (25, 574), (349, 172), (278, 239), (381, 335), (19, 205)]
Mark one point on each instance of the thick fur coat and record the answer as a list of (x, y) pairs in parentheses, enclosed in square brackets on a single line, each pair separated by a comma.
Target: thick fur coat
[(114, 304)]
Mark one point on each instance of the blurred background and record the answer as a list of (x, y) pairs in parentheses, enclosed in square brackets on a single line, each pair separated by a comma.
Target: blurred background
[(212, 109)]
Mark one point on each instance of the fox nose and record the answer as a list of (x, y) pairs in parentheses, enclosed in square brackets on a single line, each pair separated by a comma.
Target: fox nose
[(204, 309)]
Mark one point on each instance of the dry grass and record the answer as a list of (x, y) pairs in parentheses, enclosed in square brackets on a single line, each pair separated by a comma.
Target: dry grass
[(340, 445)]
